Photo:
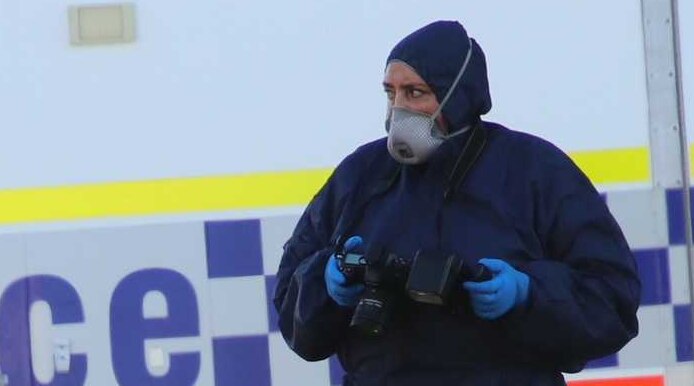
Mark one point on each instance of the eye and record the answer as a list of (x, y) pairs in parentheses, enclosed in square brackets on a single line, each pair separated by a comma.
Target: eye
[(389, 94), (416, 93)]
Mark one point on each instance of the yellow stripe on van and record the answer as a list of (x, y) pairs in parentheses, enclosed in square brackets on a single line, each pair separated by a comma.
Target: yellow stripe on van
[(629, 165), (161, 196), (237, 192)]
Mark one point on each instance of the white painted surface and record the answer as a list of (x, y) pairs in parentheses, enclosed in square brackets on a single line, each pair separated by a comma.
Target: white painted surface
[(218, 87)]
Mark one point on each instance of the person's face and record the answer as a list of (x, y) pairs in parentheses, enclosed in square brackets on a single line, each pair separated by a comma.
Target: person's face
[(406, 89)]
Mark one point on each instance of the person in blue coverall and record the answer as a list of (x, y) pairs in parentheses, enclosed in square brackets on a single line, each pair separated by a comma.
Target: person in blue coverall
[(564, 287)]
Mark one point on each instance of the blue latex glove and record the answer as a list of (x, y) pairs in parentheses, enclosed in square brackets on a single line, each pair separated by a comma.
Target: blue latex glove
[(507, 289), (344, 294)]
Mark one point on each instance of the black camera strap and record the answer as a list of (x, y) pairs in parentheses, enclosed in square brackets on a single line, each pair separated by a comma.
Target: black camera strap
[(471, 151)]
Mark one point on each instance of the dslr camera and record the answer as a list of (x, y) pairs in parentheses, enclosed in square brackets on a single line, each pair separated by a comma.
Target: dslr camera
[(430, 277)]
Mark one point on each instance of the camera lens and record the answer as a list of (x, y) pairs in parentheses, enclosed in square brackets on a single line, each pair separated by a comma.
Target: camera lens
[(373, 312)]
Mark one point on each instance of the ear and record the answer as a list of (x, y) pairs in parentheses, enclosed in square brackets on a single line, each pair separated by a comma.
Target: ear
[(443, 123)]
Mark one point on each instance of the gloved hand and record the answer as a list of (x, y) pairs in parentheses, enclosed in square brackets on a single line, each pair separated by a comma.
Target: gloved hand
[(507, 289), (344, 294)]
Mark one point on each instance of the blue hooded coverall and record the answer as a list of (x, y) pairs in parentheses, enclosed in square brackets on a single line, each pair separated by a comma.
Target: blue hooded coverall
[(523, 201)]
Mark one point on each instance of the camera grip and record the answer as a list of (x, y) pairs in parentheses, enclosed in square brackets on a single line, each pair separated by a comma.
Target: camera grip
[(481, 273)]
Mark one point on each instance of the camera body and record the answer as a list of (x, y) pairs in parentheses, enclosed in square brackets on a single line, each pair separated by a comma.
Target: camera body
[(430, 277)]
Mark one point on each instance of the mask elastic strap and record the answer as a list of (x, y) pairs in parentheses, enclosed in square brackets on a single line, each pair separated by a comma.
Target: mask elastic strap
[(461, 131), (455, 82)]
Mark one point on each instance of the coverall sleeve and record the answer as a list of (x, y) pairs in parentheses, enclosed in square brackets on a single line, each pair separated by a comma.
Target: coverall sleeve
[(585, 293), (310, 321)]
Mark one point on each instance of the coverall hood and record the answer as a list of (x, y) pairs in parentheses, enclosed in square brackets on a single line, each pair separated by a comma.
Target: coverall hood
[(437, 52)]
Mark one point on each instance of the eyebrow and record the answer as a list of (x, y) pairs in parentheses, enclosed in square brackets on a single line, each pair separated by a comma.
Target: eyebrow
[(420, 85)]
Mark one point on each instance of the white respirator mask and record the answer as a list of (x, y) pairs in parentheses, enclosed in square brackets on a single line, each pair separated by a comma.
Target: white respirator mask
[(414, 136)]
